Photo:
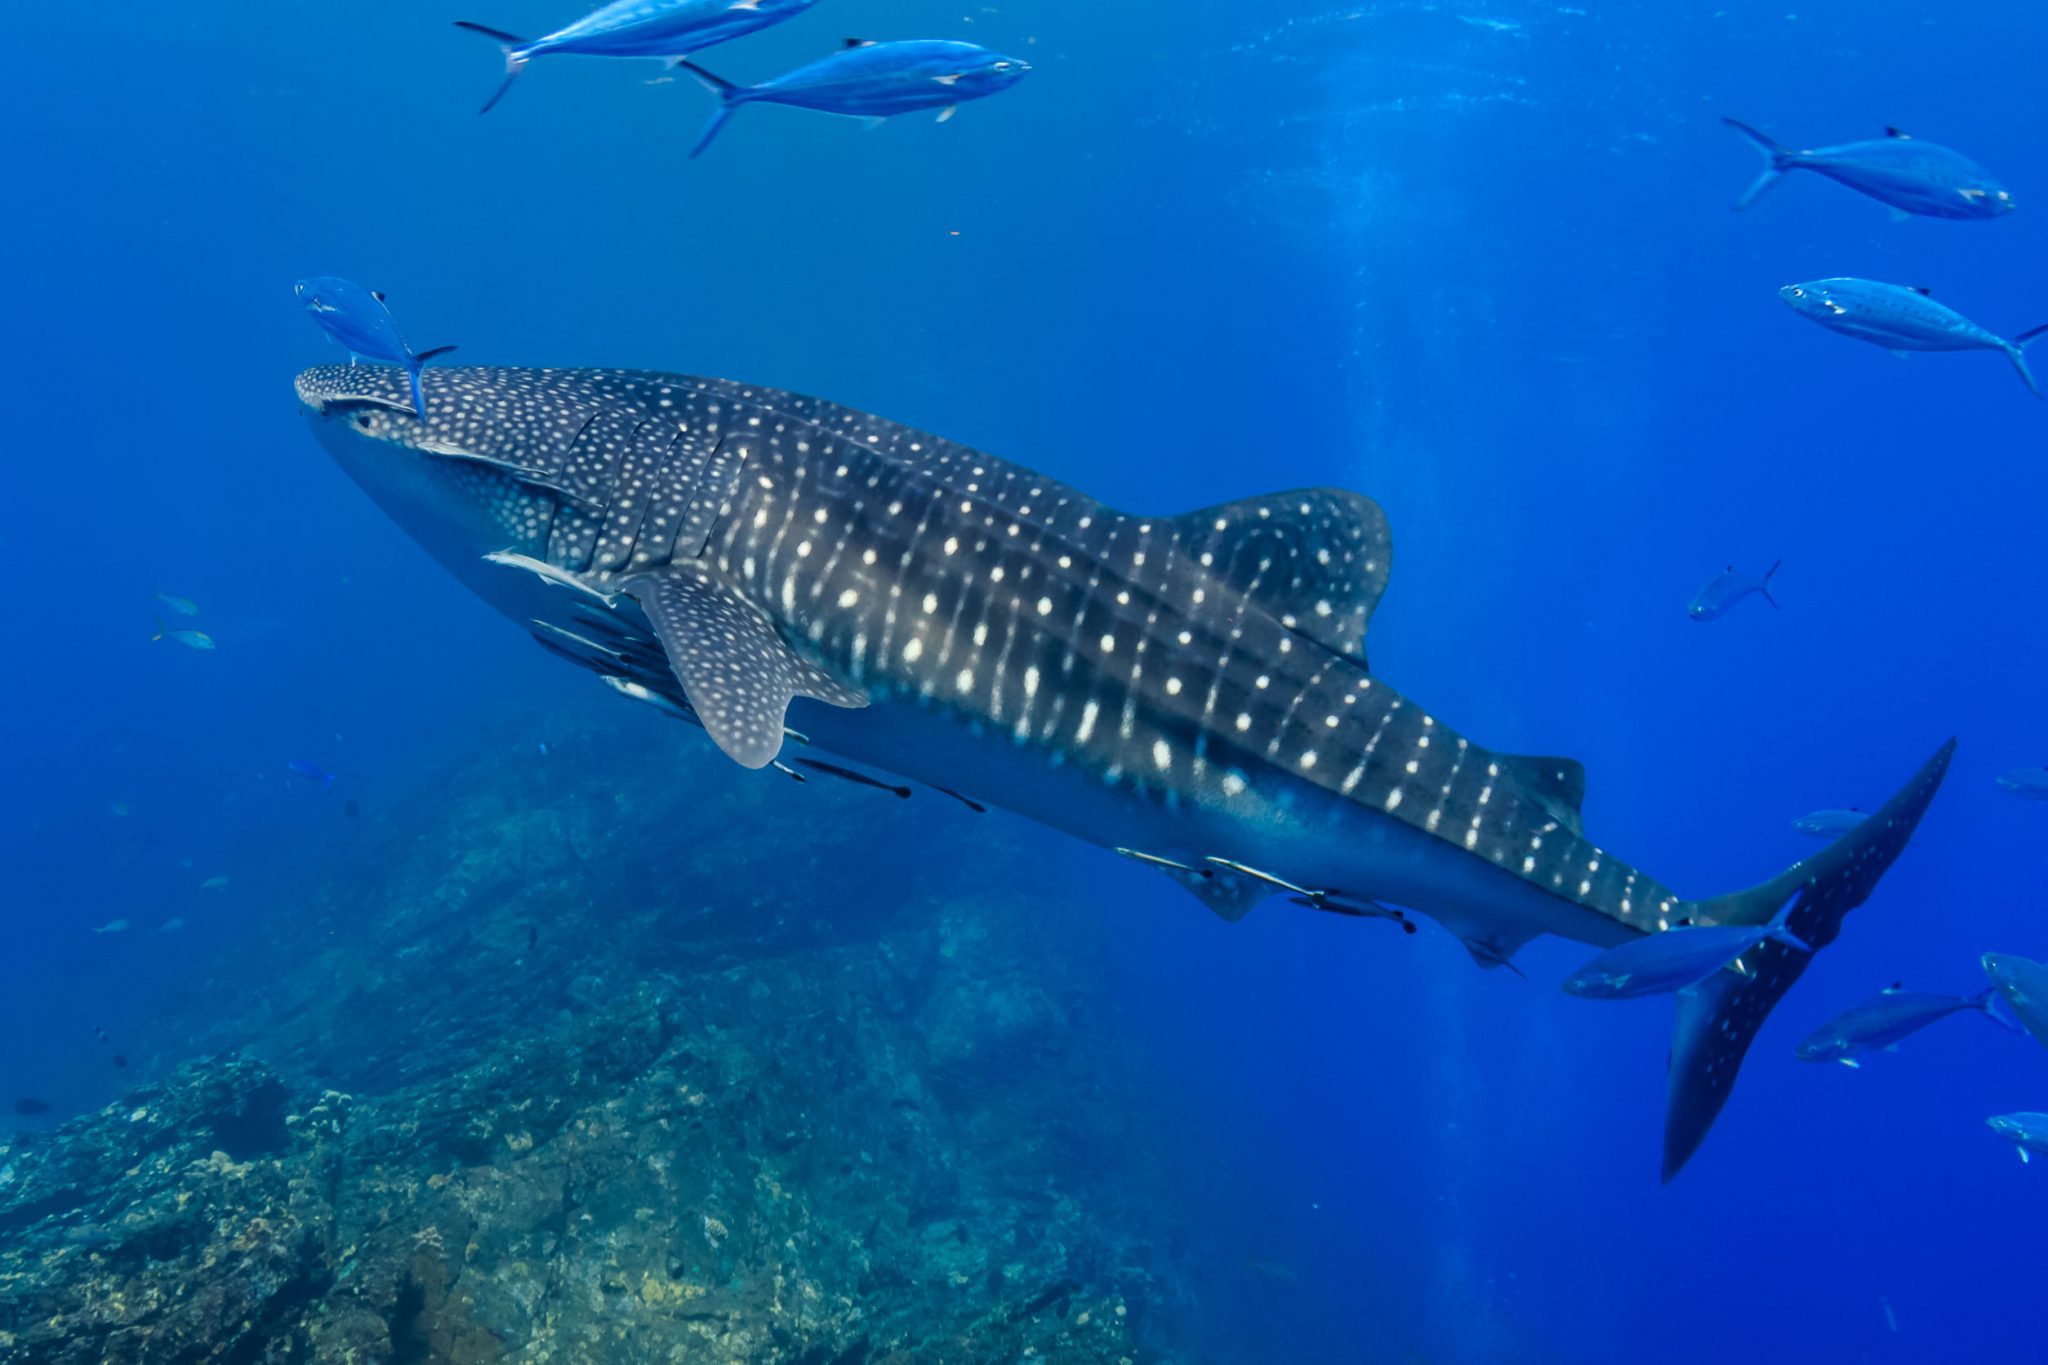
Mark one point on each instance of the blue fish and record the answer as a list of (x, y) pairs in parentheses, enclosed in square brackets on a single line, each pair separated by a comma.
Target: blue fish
[(1727, 588), (669, 29), (1881, 1021), (1830, 824), (2029, 1131), (1902, 318), (1910, 175), (1676, 959), (874, 80), (312, 772), (357, 318), (2028, 783), (2024, 984)]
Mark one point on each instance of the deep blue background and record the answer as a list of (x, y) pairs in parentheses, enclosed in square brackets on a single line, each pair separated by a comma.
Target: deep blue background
[(1479, 264)]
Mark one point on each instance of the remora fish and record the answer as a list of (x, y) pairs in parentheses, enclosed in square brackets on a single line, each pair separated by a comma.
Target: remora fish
[(1658, 964), (1883, 1020), (357, 318), (1910, 175), (2024, 984), (1829, 824), (1728, 588), (1191, 688), (2030, 783), (2029, 1131), (873, 80), (640, 28), (1902, 318)]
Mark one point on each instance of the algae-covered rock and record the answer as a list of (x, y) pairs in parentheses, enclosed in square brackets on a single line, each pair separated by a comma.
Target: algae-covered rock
[(597, 1072)]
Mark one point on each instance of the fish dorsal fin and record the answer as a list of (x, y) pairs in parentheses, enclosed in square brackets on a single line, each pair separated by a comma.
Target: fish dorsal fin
[(738, 674), (1898, 134), (860, 42), (1922, 290), (1895, 988), (377, 294), (1317, 559), (1558, 784)]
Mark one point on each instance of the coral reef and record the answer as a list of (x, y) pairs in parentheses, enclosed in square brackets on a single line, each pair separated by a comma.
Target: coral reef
[(548, 1065)]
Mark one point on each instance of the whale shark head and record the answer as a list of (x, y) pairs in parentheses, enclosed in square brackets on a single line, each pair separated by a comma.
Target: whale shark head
[(485, 470)]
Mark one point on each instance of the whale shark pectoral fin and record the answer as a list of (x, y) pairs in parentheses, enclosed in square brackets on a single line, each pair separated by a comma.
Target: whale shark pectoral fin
[(1558, 784), (1317, 559), (738, 674)]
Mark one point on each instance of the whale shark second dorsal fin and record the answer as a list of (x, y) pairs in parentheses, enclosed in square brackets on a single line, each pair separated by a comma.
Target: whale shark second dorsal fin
[(1558, 784), (1317, 559)]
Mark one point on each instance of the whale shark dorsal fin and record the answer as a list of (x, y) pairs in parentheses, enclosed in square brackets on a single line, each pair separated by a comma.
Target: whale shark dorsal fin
[(1558, 784), (1898, 134), (1922, 290), (738, 674), (1317, 559)]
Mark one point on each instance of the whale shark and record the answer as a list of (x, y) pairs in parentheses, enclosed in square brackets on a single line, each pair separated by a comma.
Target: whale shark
[(1191, 691)]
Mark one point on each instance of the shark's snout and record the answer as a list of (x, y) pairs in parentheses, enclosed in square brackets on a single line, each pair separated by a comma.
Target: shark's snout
[(326, 388)]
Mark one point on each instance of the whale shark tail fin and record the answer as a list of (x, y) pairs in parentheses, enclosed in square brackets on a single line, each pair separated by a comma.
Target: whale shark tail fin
[(1777, 157), (729, 94), (1718, 1018), (515, 58), (2016, 352)]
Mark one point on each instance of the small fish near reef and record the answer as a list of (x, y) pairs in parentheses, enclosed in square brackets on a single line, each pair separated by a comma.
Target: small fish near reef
[(1727, 589), (780, 570), (28, 1106), (2029, 784), (311, 772), (112, 926), (1902, 318), (1882, 1021), (172, 925), (1911, 176), (665, 29), (873, 81), (2024, 985), (214, 883), (1829, 824), (190, 639), (182, 606), (2028, 1131), (1678, 959), (357, 318)]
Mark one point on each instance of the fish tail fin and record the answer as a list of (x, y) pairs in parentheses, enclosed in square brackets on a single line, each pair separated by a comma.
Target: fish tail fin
[(515, 58), (2016, 351), (711, 130), (159, 627), (729, 94), (1778, 157), (1993, 1004), (1719, 1018), (1764, 587)]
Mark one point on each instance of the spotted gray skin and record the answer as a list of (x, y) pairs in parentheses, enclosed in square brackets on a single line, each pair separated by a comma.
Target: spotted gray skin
[(1191, 690)]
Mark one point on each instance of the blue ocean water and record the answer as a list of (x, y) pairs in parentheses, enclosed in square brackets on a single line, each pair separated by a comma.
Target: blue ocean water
[(1477, 262)]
